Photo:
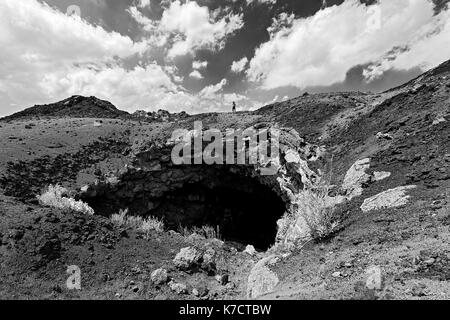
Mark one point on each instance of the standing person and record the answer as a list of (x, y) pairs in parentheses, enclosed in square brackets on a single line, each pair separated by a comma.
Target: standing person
[(234, 107)]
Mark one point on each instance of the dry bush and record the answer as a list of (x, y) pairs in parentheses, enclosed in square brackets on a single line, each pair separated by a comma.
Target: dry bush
[(138, 223), (312, 217), (321, 219), (119, 218), (208, 232), (54, 197), (319, 212), (153, 224)]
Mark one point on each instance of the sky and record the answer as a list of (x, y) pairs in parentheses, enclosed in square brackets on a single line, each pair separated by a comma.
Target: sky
[(200, 56)]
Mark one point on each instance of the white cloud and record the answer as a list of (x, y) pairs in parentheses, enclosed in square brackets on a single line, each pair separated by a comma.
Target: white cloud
[(143, 3), (148, 24), (173, 72), (209, 92), (123, 87), (239, 66), (196, 75), (195, 27), (187, 27), (197, 65), (271, 2), (319, 50)]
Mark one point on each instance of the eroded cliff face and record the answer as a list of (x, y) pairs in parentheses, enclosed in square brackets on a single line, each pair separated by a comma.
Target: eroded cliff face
[(244, 201)]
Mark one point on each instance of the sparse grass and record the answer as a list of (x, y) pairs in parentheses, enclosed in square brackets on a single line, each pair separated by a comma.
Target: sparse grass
[(152, 224), (207, 232), (54, 197), (119, 219), (138, 223)]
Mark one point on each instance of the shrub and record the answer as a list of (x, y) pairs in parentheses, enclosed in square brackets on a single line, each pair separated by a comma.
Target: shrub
[(208, 232), (313, 215), (153, 224), (119, 218), (319, 216), (54, 197), (138, 223), (319, 210)]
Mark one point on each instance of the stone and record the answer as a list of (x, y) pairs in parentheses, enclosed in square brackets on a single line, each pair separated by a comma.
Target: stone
[(419, 290), (187, 258), (178, 288), (208, 261), (262, 280), (438, 121), (159, 276), (391, 198), (336, 274), (195, 238), (223, 279), (200, 291), (356, 178), (250, 250), (112, 180), (385, 136), (378, 176), (216, 243), (155, 167), (291, 156), (374, 280), (135, 289)]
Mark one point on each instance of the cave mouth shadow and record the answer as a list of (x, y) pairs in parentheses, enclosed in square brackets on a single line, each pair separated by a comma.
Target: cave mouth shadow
[(241, 207), (246, 216)]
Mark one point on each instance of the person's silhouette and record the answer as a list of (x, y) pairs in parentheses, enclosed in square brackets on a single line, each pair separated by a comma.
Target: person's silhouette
[(234, 107)]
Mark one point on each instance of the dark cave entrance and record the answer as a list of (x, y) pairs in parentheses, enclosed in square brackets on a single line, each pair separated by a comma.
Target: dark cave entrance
[(245, 210), (244, 217)]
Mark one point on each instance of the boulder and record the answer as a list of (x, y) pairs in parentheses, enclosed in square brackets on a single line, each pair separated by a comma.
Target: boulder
[(159, 276), (384, 136), (250, 250), (223, 279), (378, 176), (208, 261), (391, 198), (178, 288), (356, 178), (262, 280), (188, 258)]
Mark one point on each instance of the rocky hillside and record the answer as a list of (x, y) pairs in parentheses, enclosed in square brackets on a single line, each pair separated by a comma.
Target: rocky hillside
[(74, 107)]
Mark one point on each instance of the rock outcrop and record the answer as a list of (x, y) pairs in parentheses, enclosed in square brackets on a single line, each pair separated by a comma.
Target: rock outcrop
[(391, 198), (262, 280)]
